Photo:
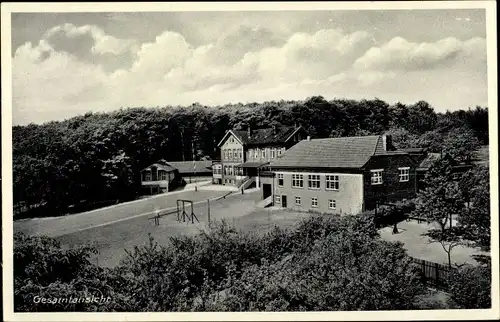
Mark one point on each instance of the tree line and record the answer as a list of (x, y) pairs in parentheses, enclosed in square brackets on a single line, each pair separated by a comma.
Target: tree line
[(97, 156)]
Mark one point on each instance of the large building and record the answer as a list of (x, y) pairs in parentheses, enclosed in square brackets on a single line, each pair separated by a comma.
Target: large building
[(341, 175), (244, 154)]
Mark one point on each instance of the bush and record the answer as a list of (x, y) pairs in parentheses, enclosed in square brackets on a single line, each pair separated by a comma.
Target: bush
[(42, 269), (470, 287), (389, 215), (324, 263)]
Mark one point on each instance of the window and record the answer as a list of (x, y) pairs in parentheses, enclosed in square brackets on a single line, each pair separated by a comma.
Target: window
[(256, 153), (297, 201), (314, 202), (163, 176), (313, 181), (377, 176), (278, 199), (147, 176), (404, 174), (231, 140), (297, 181), (230, 154), (280, 180), (273, 153), (279, 152), (332, 204), (263, 153), (332, 182)]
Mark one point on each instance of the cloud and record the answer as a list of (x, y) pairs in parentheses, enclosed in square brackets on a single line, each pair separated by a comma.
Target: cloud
[(302, 56), (44, 81), (70, 38), (401, 54), (68, 71)]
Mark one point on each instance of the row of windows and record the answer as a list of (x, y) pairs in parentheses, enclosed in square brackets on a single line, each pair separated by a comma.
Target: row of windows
[(332, 203), (232, 171), (262, 153), (230, 154), (162, 176), (332, 181), (313, 181), (378, 178)]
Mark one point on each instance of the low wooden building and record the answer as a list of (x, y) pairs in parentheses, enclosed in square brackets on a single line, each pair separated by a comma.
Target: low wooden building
[(194, 171), (160, 177)]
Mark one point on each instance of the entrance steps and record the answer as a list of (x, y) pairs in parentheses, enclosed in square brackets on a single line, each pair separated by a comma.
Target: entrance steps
[(265, 203)]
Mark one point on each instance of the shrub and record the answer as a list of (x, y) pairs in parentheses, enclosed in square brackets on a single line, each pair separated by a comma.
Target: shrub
[(44, 269), (470, 287)]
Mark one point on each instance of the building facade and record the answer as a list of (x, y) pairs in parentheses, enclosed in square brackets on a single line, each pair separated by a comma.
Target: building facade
[(244, 154), (159, 177), (342, 175)]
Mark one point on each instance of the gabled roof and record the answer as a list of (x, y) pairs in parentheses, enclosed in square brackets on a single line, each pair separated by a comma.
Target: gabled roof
[(344, 152), (426, 163), (160, 166), (263, 136), (191, 166)]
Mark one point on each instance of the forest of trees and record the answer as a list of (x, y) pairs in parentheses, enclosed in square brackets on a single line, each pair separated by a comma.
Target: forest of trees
[(97, 157)]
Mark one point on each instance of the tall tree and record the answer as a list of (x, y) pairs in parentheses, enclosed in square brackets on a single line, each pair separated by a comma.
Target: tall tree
[(461, 144), (476, 219), (439, 202)]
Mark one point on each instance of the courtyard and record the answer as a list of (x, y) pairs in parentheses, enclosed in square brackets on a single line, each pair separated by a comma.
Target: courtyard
[(113, 238), (421, 247)]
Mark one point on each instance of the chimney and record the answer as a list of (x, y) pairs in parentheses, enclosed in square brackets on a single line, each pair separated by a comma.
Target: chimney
[(308, 138), (249, 130), (387, 142)]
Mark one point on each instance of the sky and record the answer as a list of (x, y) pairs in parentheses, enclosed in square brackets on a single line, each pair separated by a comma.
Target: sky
[(67, 64)]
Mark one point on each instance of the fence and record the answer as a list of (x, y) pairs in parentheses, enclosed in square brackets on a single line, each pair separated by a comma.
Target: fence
[(433, 274)]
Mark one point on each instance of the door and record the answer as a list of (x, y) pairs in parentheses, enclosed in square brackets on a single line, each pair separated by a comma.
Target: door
[(266, 190), (283, 201)]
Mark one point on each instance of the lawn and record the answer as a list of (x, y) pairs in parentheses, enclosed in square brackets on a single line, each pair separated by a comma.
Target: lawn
[(238, 210), (56, 226), (418, 246)]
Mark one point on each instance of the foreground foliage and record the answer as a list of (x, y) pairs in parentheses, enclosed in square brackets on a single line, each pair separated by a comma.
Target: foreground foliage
[(324, 263)]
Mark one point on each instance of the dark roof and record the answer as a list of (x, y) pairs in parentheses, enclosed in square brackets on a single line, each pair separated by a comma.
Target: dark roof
[(250, 164), (189, 166), (413, 150), (428, 161), (266, 136), (344, 152)]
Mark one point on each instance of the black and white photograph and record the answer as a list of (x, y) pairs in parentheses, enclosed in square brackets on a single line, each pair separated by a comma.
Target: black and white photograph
[(306, 160)]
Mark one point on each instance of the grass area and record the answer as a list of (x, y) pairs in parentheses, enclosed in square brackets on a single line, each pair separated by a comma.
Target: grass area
[(418, 246), (56, 226), (238, 210)]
